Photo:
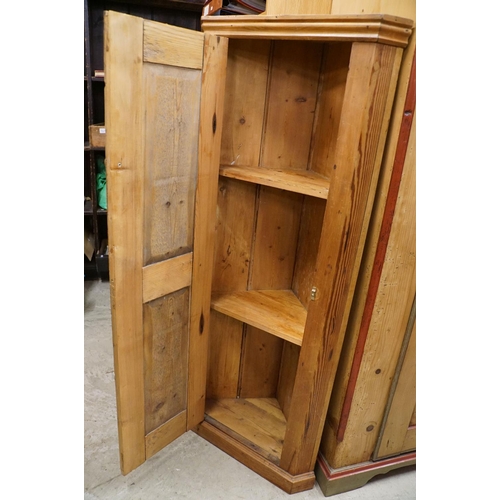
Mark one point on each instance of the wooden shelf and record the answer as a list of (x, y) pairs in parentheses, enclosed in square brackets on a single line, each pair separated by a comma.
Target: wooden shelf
[(299, 181), (278, 312), (257, 423)]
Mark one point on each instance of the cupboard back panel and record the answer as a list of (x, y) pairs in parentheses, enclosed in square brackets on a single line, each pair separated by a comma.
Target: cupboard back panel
[(171, 157), (260, 365), (288, 370), (275, 239), (165, 357), (245, 98), (293, 87), (234, 233), (330, 98), (224, 356), (313, 211)]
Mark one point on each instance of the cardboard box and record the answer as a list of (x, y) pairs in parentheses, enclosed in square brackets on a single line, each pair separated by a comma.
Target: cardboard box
[(97, 134)]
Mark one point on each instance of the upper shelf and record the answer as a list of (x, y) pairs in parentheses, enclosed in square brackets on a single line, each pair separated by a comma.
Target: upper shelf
[(278, 312), (299, 181), (381, 28)]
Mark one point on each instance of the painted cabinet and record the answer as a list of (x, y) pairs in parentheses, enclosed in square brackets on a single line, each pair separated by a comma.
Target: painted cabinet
[(242, 167)]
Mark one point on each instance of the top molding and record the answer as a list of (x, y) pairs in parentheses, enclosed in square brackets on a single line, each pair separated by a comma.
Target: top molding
[(377, 28)]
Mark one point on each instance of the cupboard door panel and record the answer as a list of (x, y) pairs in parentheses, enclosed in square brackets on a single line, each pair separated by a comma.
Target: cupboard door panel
[(151, 179)]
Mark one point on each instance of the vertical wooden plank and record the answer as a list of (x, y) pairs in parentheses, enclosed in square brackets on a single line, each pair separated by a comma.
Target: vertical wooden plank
[(275, 239), (291, 104), (400, 411), (363, 290), (123, 63), (212, 100), (400, 8), (224, 356), (273, 260), (288, 370), (311, 224), (387, 324), (260, 370), (247, 74), (330, 99), (283, 7), (234, 231), (172, 156), (165, 358), (365, 115)]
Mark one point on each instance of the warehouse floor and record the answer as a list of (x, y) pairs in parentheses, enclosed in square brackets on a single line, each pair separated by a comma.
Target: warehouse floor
[(188, 468)]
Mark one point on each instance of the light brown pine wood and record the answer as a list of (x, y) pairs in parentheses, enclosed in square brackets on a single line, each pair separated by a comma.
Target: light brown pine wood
[(388, 323), (413, 420), (369, 93), (165, 434), (311, 224), (284, 7), (275, 241), (125, 178), (174, 46), (212, 99), (367, 264), (379, 28), (398, 420), (304, 182), (410, 442), (292, 96), (257, 423), (260, 364), (244, 453), (402, 8), (330, 99), (387, 326), (288, 370), (165, 358), (245, 98), (224, 356), (234, 232), (171, 129), (166, 277), (278, 312), (143, 156)]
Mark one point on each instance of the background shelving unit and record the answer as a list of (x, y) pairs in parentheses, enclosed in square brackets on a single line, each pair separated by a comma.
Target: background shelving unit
[(183, 13)]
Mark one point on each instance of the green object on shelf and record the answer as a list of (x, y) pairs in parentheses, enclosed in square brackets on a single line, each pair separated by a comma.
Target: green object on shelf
[(102, 200)]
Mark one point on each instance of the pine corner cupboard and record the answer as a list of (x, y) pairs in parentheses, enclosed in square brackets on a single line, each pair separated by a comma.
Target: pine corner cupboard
[(242, 164)]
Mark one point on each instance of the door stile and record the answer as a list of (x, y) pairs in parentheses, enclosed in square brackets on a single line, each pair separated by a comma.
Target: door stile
[(212, 110), (123, 60)]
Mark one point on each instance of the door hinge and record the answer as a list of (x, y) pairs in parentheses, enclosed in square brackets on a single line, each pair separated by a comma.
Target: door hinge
[(314, 293)]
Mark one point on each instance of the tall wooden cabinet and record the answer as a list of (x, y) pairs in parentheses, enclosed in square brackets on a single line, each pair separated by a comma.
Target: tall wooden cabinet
[(242, 168)]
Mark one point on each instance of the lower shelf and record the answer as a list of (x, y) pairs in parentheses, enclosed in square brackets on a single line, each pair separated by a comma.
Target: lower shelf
[(278, 312), (258, 423)]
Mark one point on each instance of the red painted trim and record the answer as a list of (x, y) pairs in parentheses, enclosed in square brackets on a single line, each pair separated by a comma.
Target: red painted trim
[(359, 469), (385, 231)]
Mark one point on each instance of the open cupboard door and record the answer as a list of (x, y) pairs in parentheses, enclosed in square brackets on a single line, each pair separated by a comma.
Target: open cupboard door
[(153, 75)]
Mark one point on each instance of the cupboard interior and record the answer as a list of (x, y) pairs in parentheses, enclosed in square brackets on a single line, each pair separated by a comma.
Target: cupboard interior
[(282, 110)]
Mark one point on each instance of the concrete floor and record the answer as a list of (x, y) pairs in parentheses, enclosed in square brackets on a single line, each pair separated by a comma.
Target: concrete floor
[(190, 467)]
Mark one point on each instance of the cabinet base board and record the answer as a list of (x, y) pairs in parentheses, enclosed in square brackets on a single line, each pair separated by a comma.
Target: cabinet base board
[(254, 461), (335, 481)]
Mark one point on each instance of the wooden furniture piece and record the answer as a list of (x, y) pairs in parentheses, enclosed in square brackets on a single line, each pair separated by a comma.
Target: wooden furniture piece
[(184, 13), (242, 169), (371, 424)]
